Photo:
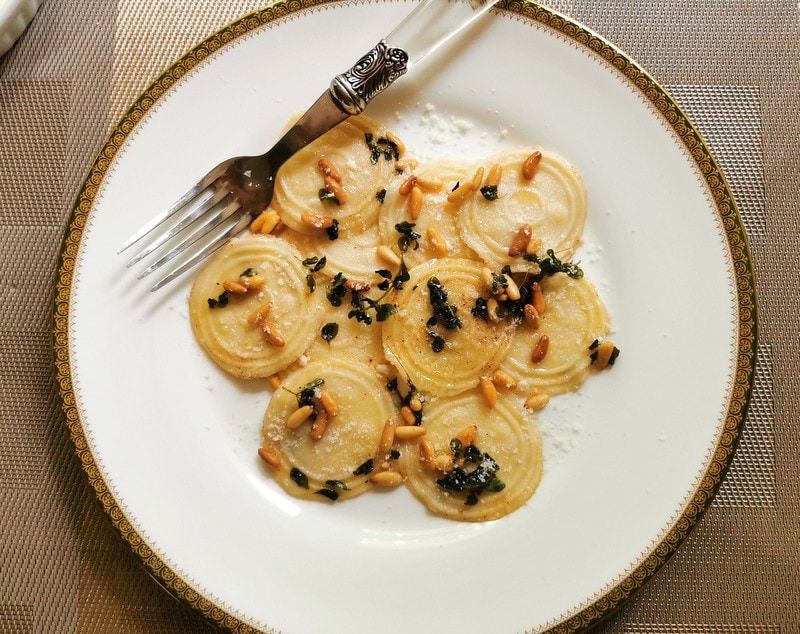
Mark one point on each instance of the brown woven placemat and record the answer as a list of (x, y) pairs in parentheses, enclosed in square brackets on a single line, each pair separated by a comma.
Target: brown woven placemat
[(731, 64)]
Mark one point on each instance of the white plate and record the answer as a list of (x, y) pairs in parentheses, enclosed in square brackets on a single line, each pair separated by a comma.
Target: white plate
[(169, 441)]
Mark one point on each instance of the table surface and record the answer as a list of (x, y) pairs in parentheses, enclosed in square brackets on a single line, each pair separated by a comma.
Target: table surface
[(731, 64)]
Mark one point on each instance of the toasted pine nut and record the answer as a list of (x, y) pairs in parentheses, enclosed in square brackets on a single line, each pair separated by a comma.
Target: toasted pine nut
[(272, 334), (408, 184), (426, 452), (521, 240), (531, 164), (408, 432), (272, 459), (504, 380), (512, 290), (299, 416), (494, 175), (487, 277), (237, 288), (359, 286), (477, 179), (328, 169), (386, 254), (318, 425), (604, 352), (531, 316), (415, 404), (460, 192), (317, 221), (414, 202), (275, 381), (387, 478), (489, 391), (493, 310), (279, 229), (539, 302), (335, 188), (265, 222), (437, 243), (540, 350), (537, 401), (401, 147), (259, 315), (405, 164), (533, 246), (408, 415), (252, 282), (387, 437), (443, 462), (467, 436), (430, 185), (328, 403)]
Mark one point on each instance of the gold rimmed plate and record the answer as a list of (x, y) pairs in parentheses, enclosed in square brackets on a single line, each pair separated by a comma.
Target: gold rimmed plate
[(169, 441)]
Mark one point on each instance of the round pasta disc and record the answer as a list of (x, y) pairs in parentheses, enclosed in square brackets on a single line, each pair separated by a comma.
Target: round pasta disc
[(436, 214), (504, 432), (553, 202), (226, 333), (469, 352), (573, 318), (351, 438), (297, 188)]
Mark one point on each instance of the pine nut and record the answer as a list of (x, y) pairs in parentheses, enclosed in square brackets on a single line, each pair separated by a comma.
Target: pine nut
[(252, 282), (531, 316), (317, 221), (540, 350), (437, 243), (328, 169), (335, 188), (272, 334), (328, 403), (387, 478), (426, 452), (386, 254), (539, 302), (408, 432), (387, 437), (430, 185), (487, 277), (405, 164), (493, 310), (259, 315), (257, 223), (504, 380), (237, 288), (443, 462), (477, 179), (520, 241), (531, 164), (512, 290), (275, 381), (494, 175), (299, 416), (408, 184), (537, 402), (318, 425), (604, 352), (409, 418), (279, 229), (489, 391), (415, 202), (460, 192), (265, 222), (533, 246), (401, 147), (415, 404), (467, 436), (359, 286), (272, 459)]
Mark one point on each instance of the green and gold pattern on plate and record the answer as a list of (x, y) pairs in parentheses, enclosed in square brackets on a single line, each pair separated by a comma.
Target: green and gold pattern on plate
[(640, 81)]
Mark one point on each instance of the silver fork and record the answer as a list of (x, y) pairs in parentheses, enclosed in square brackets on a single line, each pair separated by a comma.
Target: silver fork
[(225, 200)]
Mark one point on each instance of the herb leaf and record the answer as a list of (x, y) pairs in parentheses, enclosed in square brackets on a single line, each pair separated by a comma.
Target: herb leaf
[(298, 477), (326, 196), (365, 468), (489, 192), (333, 230), (329, 331), (551, 265), (328, 493), (408, 237), (220, 302)]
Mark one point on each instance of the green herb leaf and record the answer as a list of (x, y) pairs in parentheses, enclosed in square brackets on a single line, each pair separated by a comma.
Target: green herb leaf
[(480, 310), (249, 273), (365, 468), (333, 230), (551, 265), (328, 493), (381, 196), (219, 302), (298, 477), (337, 484), (408, 237), (489, 192), (326, 196), (384, 311), (329, 331)]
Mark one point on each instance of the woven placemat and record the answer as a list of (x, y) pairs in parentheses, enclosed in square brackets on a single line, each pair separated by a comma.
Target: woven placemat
[(733, 67)]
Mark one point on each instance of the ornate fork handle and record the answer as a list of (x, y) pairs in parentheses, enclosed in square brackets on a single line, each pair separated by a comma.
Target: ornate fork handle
[(370, 75)]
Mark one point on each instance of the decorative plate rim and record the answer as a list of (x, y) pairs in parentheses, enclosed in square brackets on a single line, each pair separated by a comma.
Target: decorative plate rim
[(637, 78)]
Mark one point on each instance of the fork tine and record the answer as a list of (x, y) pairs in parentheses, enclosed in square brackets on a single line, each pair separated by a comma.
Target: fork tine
[(208, 250), (212, 222), (201, 209)]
